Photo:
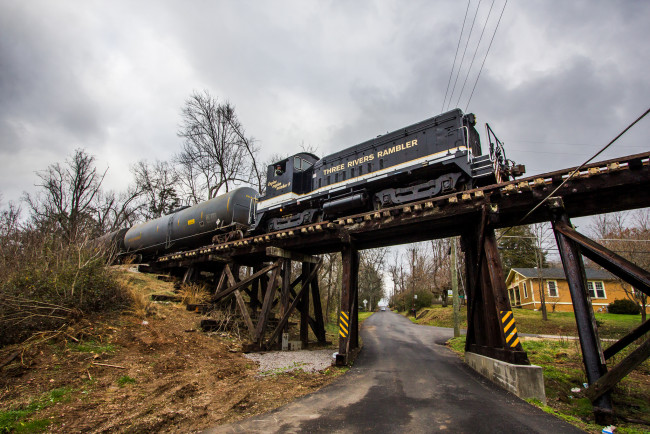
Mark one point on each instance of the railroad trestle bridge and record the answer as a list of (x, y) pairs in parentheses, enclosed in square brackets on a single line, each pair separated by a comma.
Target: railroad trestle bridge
[(607, 186)]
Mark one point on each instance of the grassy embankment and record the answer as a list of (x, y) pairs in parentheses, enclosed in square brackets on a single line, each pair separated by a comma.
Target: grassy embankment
[(610, 326), (562, 363)]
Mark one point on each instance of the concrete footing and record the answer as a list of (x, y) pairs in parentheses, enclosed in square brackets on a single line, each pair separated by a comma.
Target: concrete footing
[(525, 381)]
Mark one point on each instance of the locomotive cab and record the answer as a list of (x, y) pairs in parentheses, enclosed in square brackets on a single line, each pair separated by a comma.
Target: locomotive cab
[(291, 175)]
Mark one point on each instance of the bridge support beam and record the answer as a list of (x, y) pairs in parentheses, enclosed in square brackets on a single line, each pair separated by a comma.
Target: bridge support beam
[(491, 329), (349, 313), (592, 353)]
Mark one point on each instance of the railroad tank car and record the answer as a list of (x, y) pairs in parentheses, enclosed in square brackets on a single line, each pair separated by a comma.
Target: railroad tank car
[(438, 155), (193, 226)]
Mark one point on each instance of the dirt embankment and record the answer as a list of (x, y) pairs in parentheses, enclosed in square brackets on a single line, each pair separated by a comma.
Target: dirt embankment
[(160, 374)]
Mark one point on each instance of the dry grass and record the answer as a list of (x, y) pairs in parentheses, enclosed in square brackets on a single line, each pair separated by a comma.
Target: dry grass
[(192, 293)]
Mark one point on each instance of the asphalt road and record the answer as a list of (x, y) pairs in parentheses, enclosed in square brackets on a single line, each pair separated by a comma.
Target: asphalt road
[(405, 381)]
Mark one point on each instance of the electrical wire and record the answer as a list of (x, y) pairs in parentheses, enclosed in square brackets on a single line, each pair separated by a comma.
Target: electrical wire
[(572, 174), (453, 65), (486, 54), (462, 59), (475, 51)]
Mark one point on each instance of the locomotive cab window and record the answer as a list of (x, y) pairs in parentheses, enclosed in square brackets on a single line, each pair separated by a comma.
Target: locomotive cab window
[(280, 168), (297, 164)]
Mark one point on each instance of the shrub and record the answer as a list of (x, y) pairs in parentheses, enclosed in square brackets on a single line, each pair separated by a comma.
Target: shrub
[(404, 301), (627, 307), (46, 283)]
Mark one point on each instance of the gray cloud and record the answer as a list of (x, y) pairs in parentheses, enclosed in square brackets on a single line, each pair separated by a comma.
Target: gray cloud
[(562, 78)]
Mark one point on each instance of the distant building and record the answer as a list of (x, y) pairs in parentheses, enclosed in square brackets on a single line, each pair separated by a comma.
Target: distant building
[(523, 289)]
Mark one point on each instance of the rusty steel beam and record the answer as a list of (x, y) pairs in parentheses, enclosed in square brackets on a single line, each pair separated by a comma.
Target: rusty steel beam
[(627, 340), (604, 384), (592, 353), (615, 264)]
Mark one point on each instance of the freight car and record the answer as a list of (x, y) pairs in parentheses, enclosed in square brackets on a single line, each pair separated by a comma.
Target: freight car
[(438, 155), (188, 227)]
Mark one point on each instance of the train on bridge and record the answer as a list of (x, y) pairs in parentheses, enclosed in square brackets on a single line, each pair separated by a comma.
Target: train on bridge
[(436, 156)]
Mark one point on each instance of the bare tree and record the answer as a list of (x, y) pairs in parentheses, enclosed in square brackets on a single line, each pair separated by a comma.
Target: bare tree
[(627, 234), (215, 154), (158, 183), (69, 195), (543, 234), (440, 266), (371, 268), (117, 210)]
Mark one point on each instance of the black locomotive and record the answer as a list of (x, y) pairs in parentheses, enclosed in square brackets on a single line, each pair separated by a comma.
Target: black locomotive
[(438, 155)]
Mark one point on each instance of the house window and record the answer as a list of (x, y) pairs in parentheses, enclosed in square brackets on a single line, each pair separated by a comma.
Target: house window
[(525, 290), (552, 288), (596, 289)]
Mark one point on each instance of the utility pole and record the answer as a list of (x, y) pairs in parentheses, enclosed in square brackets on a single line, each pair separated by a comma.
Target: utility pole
[(454, 289), (414, 297)]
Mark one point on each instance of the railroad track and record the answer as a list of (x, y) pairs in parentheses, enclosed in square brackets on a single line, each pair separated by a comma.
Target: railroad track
[(606, 186)]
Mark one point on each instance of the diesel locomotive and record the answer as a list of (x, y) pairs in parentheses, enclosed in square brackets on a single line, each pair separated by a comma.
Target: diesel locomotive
[(439, 155)]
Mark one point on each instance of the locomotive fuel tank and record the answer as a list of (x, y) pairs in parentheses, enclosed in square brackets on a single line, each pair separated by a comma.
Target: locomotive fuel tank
[(193, 226)]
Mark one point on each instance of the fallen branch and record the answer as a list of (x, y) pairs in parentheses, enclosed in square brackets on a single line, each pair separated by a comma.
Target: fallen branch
[(110, 366), (9, 359)]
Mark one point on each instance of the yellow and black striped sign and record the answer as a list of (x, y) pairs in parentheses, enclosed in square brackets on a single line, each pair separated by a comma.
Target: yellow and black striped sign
[(509, 328), (343, 324)]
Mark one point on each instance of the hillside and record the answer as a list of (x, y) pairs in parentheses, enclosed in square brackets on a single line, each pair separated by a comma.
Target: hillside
[(149, 369)]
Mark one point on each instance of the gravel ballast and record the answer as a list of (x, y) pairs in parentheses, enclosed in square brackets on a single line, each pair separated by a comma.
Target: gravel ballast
[(275, 362)]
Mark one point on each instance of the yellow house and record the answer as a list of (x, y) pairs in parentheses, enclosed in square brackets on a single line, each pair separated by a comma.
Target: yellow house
[(523, 289)]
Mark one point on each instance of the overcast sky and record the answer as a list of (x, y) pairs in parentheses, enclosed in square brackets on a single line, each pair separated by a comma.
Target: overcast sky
[(562, 77)]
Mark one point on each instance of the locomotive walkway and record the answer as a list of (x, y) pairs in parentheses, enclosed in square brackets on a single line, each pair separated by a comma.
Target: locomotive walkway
[(405, 380)]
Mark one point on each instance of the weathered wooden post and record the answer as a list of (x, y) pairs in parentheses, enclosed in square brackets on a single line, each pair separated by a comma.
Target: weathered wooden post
[(348, 318)]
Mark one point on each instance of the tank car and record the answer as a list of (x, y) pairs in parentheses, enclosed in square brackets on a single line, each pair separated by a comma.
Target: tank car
[(193, 226)]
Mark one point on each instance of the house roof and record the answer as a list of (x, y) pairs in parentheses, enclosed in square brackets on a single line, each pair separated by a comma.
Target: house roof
[(558, 273)]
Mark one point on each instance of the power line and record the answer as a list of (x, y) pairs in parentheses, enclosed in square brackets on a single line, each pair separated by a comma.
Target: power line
[(572, 174), (451, 73), (475, 51), (597, 239), (464, 51), (486, 54)]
